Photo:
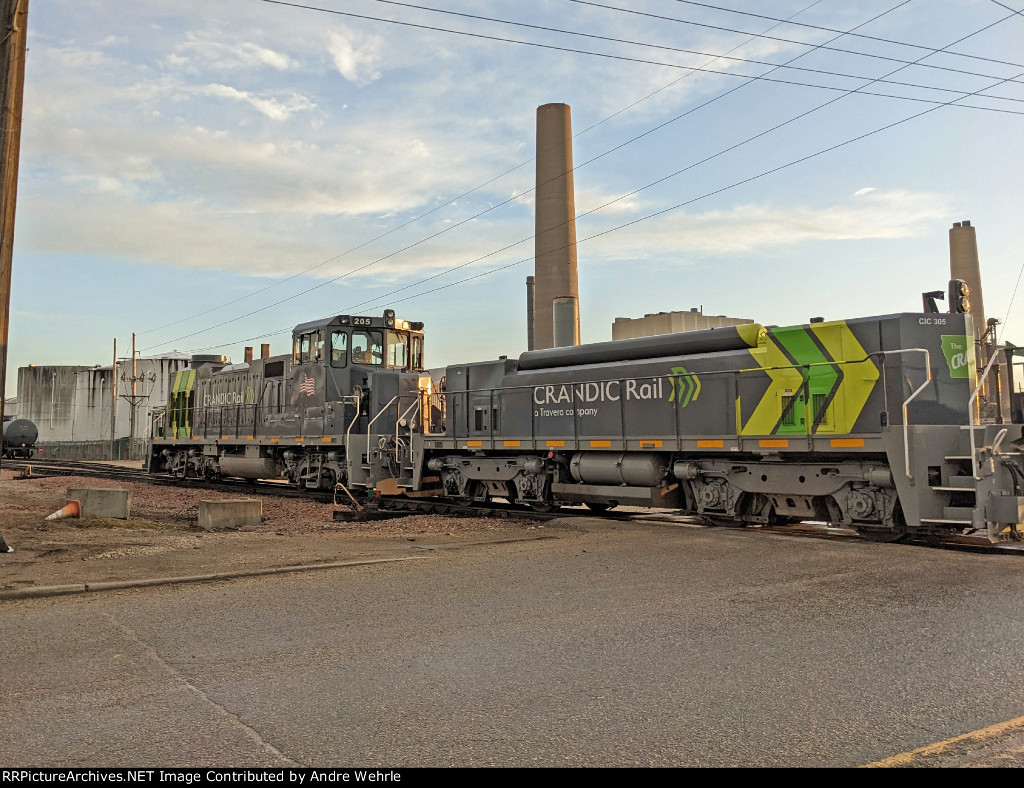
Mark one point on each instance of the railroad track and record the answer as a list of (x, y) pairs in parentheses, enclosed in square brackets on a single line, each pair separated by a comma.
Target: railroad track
[(140, 475), (391, 507)]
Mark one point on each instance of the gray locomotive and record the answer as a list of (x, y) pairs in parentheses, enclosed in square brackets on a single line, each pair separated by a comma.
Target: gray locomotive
[(873, 423)]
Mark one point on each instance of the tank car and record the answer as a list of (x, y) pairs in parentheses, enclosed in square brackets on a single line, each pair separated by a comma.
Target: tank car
[(19, 439)]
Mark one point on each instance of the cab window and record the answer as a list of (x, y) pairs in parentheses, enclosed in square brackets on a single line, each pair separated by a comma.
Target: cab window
[(339, 349), (417, 352), (308, 347), (367, 347), (398, 350), (301, 355)]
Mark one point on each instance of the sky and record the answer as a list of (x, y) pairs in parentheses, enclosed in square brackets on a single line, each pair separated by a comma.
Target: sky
[(206, 175)]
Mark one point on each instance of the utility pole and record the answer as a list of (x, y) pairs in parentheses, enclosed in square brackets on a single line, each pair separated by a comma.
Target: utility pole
[(113, 402), (13, 28), (131, 429), (134, 399)]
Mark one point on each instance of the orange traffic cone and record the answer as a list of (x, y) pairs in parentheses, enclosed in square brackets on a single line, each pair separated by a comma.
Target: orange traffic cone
[(72, 509)]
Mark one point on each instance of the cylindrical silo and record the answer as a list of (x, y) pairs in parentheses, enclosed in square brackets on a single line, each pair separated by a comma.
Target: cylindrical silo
[(565, 322)]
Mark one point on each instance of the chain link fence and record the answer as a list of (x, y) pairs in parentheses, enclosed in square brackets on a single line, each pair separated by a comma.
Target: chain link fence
[(120, 449)]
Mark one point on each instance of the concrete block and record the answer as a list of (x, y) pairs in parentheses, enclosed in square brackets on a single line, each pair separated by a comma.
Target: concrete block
[(237, 513), (102, 501)]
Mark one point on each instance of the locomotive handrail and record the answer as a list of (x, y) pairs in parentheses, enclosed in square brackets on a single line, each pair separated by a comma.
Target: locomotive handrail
[(155, 417), (907, 401), (380, 413), (398, 423), (970, 410), (928, 379), (356, 398)]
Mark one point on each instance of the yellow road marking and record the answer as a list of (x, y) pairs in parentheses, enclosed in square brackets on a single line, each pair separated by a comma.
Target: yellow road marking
[(939, 747)]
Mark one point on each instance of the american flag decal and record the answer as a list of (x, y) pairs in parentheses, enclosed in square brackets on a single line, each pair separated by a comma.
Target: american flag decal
[(307, 386)]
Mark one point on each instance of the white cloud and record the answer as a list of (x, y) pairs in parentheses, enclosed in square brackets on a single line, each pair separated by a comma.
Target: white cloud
[(749, 228), (271, 107), (222, 54), (355, 57)]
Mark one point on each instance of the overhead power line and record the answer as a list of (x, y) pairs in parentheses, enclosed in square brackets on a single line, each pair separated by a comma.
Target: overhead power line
[(610, 56), (1019, 13), (460, 197), (857, 35), (930, 50), (676, 207), (661, 180), (493, 207), (681, 50)]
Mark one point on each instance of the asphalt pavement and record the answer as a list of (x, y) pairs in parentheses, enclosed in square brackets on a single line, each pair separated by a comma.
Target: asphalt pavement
[(593, 644)]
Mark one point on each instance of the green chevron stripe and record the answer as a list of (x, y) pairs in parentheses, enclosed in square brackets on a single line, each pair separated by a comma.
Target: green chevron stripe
[(801, 348)]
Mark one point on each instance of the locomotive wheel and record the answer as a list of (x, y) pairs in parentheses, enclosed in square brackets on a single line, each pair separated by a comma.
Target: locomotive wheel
[(542, 506), (476, 492), (881, 534)]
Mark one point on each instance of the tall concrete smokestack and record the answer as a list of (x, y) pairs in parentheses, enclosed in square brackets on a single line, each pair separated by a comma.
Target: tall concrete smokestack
[(963, 264), (555, 228)]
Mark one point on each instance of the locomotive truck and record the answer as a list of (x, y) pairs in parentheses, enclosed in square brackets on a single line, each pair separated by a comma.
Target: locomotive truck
[(872, 423)]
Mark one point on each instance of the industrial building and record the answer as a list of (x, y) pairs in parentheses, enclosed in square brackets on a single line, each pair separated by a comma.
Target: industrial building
[(72, 406), (670, 323)]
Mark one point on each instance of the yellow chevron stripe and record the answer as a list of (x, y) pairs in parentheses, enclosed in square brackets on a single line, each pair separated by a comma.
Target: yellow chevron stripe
[(858, 379), (766, 415)]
